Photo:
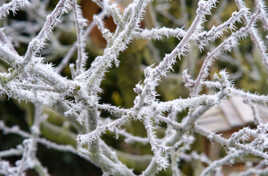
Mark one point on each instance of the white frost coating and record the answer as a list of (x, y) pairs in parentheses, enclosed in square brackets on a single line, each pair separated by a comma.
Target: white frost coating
[(34, 79), (13, 6)]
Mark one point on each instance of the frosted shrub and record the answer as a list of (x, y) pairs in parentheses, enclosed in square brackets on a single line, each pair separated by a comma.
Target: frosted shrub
[(30, 77)]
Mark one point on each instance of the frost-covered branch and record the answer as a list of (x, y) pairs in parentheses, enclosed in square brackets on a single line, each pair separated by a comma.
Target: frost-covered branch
[(13, 6), (35, 73)]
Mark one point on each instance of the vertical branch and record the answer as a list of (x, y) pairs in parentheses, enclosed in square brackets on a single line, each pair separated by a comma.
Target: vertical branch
[(80, 23)]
